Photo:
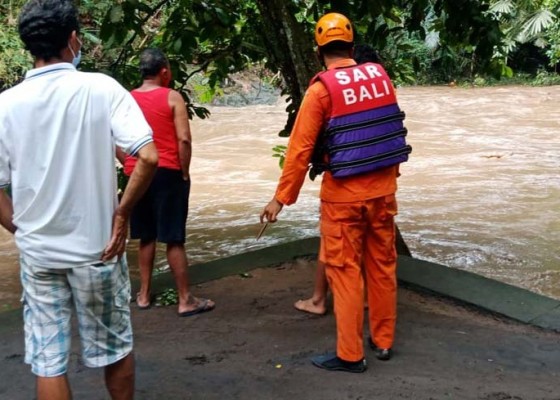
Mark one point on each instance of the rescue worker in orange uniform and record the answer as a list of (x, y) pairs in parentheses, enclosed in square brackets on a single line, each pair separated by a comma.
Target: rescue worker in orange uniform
[(317, 303), (351, 111)]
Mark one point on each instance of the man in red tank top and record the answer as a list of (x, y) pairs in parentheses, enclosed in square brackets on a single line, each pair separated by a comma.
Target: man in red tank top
[(161, 214)]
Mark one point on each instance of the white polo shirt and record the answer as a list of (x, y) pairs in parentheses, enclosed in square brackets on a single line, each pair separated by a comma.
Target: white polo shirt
[(58, 130)]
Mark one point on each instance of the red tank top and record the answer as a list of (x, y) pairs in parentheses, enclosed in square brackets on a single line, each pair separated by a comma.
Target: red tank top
[(155, 106)]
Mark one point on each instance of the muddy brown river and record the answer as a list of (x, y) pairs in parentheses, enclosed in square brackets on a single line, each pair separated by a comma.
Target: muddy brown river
[(481, 191)]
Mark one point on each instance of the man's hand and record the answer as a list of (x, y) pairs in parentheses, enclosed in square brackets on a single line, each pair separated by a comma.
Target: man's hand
[(6, 212), (271, 211), (117, 244)]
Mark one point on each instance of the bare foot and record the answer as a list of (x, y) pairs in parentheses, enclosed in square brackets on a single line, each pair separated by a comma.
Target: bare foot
[(311, 306)]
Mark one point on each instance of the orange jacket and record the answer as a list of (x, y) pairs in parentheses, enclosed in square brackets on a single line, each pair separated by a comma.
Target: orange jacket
[(312, 117)]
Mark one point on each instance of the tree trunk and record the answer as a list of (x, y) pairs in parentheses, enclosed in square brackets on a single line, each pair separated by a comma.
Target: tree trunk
[(290, 49)]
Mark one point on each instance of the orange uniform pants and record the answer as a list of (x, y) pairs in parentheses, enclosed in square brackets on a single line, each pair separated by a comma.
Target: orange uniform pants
[(354, 236)]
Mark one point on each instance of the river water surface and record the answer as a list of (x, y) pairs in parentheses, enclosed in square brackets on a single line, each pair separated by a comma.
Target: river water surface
[(481, 191)]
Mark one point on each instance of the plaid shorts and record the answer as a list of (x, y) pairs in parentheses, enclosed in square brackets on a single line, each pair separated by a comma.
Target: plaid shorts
[(100, 295)]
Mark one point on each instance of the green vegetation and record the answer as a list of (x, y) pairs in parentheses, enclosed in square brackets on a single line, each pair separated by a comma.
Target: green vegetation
[(541, 78), (168, 297), (279, 152), (14, 60), (530, 25)]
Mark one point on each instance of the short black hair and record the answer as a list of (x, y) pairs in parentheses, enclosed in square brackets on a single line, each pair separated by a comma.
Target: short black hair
[(364, 53), (151, 62), (46, 25), (336, 48)]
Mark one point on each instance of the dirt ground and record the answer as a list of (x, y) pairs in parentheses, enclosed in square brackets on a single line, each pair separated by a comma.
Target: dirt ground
[(254, 345)]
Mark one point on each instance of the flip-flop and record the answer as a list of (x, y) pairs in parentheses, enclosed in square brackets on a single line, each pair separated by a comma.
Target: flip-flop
[(202, 308)]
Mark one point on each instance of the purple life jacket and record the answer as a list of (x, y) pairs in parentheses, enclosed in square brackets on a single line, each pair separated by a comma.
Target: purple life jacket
[(365, 131)]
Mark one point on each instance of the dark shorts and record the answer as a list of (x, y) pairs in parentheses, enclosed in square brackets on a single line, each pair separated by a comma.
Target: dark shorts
[(162, 213)]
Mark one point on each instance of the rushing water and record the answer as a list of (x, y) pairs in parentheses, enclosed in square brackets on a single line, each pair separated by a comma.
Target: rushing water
[(481, 191)]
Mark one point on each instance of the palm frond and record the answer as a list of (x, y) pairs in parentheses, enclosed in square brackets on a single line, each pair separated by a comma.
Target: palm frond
[(502, 7), (541, 42), (537, 23), (509, 45)]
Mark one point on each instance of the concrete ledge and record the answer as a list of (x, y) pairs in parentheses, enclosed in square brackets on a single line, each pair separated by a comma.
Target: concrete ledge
[(511, 301), (242, 263)]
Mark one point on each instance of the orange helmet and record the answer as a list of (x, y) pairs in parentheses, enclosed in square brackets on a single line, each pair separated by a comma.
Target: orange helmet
[(333, 27)]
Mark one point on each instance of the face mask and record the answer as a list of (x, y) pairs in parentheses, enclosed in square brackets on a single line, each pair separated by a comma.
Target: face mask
[(77, 58)]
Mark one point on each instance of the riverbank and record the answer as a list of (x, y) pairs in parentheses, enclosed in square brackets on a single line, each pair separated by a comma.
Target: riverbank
[(255, 345)]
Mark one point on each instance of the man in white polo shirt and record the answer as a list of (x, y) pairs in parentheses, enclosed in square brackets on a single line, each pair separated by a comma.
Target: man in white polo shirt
[(58, 131)]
